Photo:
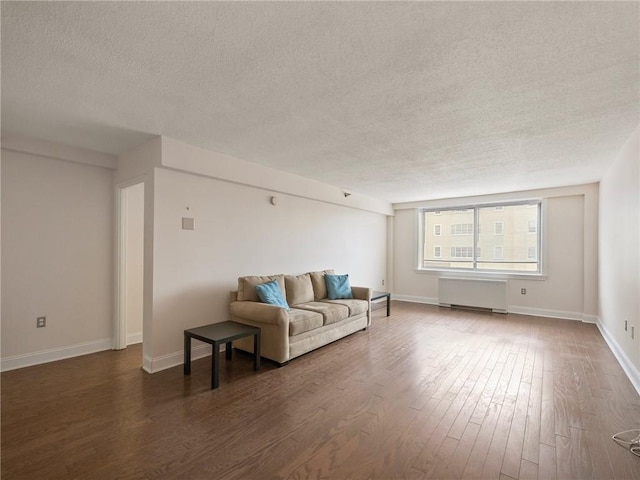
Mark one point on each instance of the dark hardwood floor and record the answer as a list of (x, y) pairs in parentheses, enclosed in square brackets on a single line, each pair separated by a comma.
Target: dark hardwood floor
[(424, 393)]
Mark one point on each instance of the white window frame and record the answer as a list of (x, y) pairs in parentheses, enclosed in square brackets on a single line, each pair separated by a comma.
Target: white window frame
[(475, 272), (496, 230), (437, 251), (437, 230)]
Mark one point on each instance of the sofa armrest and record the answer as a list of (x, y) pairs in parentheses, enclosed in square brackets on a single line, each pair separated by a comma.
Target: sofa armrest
[(260, 312), (361, 293)]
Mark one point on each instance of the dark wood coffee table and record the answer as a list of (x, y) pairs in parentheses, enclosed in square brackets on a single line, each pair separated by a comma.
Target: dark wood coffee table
[(216, 334), (379, 295)]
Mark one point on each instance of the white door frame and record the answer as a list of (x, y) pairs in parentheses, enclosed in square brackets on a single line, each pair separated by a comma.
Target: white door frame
[(120, 324)]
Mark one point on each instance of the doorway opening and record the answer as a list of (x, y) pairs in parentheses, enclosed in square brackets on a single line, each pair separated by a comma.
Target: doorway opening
[(130, 266)]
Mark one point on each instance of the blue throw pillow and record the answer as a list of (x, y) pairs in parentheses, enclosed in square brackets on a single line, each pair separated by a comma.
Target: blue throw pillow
[(271, 293), (338, 286)]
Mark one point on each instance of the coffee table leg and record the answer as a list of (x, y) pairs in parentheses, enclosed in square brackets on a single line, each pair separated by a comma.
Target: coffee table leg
[(227, 350), (187, 354), (256, 351), (215, 353), (388, 305)]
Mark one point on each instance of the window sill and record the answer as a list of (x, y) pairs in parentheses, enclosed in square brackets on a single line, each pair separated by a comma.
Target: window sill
[(482, 275)]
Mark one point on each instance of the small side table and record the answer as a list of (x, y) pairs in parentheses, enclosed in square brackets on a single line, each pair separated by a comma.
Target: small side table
[(378, 295), (216, 334)]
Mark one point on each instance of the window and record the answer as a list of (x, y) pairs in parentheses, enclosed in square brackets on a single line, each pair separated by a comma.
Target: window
[(462, 229), (508, 234), (461, 252)]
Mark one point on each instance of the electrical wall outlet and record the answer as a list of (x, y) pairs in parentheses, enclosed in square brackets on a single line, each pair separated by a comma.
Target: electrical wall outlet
[(41, 322), (523, 291), (625, 325), (383, 281)]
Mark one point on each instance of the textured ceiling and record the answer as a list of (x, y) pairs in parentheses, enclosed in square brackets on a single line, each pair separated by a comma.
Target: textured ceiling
[(397, 100)]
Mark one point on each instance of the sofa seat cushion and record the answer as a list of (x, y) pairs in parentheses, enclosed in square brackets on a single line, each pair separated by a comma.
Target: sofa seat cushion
[(355, 307), (301, 321), (331, 313)]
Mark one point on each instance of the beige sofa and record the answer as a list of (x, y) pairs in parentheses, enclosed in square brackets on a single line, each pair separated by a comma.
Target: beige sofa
[(311, 322)]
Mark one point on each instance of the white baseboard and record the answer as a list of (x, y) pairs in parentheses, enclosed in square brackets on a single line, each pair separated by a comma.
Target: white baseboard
[(157, 364), (543, 312), (409, 298), (627, 365), (54, 354), (133, 338), (147, 364), (536, 312)]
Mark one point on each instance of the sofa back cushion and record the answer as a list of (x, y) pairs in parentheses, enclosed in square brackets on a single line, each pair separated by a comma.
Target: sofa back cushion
[(319, 285), (247, 286), (298, 288)]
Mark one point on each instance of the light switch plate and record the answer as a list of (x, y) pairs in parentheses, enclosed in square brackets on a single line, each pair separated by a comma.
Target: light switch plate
[(188, 223)]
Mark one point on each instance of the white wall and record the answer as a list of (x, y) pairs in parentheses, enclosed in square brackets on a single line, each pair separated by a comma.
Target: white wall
[(57, 223), (188, 274), (58, 238), (134, 254), (570, 228), (619, 294), (133, 167), (238, 232), (181, 156)]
